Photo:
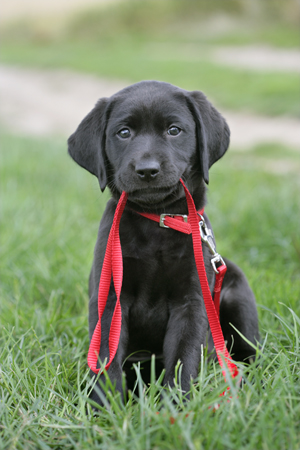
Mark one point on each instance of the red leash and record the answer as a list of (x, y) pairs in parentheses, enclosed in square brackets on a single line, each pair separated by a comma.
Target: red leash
[(213, 319), (113, 267)]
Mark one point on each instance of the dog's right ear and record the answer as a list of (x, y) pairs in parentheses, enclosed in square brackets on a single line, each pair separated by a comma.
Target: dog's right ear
[(87, 145), (212, 131)]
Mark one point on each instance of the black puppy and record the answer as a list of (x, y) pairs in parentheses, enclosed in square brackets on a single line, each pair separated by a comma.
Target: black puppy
[(142, 140)]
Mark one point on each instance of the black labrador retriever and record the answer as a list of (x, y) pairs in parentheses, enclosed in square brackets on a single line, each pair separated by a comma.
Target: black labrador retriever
[(143, 140)]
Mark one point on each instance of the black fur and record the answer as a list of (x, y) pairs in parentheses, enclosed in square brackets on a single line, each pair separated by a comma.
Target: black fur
[(162, 305)]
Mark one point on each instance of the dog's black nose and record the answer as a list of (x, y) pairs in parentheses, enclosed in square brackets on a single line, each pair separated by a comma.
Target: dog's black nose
[(147, 170)]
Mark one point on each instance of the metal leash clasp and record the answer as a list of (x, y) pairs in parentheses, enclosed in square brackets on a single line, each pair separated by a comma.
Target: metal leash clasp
[(207, 238)]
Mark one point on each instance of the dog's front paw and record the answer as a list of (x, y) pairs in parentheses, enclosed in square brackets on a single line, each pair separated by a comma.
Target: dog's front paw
[(105, 391)]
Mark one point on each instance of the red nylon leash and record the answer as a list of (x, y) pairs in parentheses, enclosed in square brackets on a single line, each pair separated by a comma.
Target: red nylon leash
[(113, 268), (212, 315)]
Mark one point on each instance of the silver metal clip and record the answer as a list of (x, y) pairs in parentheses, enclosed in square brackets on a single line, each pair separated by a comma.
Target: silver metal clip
[(163, 216), (217, 259), (207, 238)]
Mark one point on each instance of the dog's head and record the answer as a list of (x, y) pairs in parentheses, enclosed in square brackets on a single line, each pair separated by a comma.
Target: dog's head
[(146, 137)]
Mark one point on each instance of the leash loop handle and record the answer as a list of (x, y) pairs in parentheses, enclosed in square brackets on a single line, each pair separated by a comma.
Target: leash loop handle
[(112, 268)]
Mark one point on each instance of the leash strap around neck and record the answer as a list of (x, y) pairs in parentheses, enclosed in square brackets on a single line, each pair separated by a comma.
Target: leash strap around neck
[(113, 268), (181, 222)]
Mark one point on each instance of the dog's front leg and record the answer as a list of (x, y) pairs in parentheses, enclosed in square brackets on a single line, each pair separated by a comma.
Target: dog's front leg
[(186, 332)]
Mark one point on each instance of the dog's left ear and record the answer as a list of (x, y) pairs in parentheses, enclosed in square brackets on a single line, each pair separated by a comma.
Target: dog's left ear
[(213, 133), (87, 145)]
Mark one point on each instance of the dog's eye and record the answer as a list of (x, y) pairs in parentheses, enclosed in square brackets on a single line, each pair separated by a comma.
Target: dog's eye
[(174, 131), (124, 133)]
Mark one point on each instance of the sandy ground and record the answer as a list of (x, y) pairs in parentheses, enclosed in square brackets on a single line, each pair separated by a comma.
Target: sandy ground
[(259, 58), (48, 102), (262, 58), (45, 103)]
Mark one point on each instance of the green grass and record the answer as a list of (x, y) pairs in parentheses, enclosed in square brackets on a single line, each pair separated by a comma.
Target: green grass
[(168, 41), (50, 210)]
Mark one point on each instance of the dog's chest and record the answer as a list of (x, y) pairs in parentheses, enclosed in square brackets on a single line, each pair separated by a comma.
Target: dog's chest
[(158, 263), (159, 274), (147, 323)]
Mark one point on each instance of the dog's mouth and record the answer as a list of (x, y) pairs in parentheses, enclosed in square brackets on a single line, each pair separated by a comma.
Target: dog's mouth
[(155, 196)]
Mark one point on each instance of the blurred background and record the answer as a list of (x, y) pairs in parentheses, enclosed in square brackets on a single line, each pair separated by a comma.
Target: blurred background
[(243, 54)]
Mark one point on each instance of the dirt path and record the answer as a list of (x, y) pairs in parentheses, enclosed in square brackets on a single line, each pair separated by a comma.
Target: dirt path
[(41, 102), (259, 58)]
